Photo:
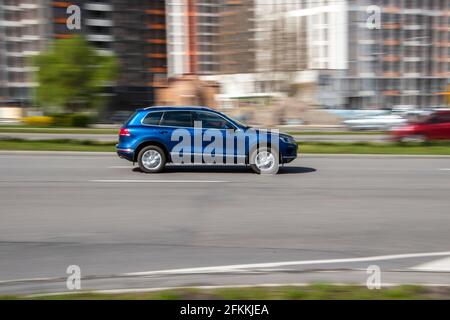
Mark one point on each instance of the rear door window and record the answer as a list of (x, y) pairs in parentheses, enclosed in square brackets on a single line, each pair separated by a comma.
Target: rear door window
[(152, 118), (177, 119)]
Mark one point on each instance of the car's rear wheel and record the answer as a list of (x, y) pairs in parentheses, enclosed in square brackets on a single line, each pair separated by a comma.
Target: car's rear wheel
[(152, 159), (265, 161)]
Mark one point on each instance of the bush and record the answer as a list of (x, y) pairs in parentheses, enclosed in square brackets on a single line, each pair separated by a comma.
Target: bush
[(40, 121), (71, 120), (62, 120), (81, 120)]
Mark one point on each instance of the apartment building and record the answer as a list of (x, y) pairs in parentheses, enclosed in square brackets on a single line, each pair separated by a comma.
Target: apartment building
[(23, 33), (192, 34), (404, 62), (402, 59), (133, 30), (236, 41), (266, 43)]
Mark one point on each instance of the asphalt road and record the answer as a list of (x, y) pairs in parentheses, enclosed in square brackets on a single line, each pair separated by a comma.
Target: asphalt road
[(113, 137), (98, 212)]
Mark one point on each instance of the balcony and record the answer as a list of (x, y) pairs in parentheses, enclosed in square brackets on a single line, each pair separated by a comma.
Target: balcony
[(98, 7), (99, 22), (100, 38), (413, 27)]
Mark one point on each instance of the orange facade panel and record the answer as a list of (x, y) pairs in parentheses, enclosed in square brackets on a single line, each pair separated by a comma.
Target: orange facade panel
[(391, 26), (63, 36), (442, 59), (392, 9), (156, 41), (155, 12), (391, 58), (192, 35), (158, 70), (156, 55), (391, 74), (156, 26), (391, 93), (61, 4), (60, 20), (391, 42)]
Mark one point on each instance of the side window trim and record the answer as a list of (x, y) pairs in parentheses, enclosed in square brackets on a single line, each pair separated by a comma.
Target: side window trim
[(193, 118), (166, 111), (152, 125), (218, 115)]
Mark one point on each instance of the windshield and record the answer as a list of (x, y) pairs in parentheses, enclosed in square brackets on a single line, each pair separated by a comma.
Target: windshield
[(239, 123)]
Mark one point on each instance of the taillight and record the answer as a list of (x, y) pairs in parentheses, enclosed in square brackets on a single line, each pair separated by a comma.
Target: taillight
[(124, 132)]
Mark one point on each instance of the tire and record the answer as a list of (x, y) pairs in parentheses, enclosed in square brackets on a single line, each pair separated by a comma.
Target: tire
[(419, 138), (152, 159), (272, 157)]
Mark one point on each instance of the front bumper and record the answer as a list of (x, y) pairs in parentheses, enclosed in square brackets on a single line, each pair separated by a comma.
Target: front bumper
[(290, 153)]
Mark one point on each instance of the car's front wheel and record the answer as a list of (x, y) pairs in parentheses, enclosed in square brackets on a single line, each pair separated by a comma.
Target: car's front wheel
[(265, 161), (152, 159)]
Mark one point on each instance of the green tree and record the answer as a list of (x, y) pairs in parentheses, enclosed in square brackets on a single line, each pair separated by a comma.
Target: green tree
[(71, 76)]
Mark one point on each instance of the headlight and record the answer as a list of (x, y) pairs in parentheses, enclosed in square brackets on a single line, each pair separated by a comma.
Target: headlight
[(287, 139)]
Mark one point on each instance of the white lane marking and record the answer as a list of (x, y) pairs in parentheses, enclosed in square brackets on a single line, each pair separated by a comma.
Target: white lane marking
[(120, 167), (441, 265), (237, 268), (445, 169), (158, 181), (26, 280), (241, 267)]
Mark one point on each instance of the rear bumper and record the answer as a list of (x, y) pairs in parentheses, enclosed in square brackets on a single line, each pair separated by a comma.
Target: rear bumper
[(125, 153)]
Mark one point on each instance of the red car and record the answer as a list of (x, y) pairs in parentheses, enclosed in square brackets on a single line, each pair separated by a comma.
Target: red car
[(434, 127)]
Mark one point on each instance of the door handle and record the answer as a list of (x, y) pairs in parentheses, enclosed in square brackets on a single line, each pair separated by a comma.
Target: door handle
[(163, 131)]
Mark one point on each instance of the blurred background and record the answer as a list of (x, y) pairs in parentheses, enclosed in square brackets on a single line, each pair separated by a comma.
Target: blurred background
[(267, 62), (71, 72)]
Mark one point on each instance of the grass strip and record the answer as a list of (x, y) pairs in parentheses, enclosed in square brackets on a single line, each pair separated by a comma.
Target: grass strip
[(28, 129), (333, 133), (434, 148), (24, 129), (427, 148), (310, 292), (56, 145)]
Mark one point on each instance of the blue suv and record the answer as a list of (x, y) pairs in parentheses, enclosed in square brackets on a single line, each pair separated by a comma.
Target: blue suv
[(155, 136)]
